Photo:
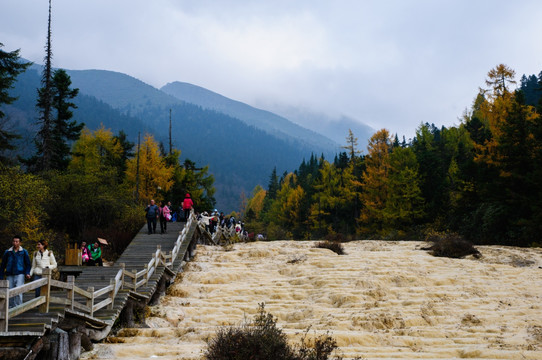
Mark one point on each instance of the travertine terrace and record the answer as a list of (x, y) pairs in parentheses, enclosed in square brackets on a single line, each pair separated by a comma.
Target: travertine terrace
[(382, 300)]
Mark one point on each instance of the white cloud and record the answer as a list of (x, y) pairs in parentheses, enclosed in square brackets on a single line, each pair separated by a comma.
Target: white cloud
[(391, 63)]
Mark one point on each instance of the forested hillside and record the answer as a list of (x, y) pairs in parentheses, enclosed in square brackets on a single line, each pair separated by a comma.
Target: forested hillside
[(90, 110), (481, 179), (239, 155), (260, 119)]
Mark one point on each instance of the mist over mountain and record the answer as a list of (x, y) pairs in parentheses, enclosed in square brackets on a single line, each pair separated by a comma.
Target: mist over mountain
[(241, 144), (335, 128), (261, 119), (123, 92)]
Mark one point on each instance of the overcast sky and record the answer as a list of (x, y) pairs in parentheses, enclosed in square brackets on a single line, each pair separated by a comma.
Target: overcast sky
[(391, 64)]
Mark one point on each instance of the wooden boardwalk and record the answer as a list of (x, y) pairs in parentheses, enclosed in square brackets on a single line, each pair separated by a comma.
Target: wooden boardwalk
[(136, 274)]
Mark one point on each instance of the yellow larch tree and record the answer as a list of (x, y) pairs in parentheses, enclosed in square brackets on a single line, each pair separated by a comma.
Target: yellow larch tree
[(255, 203), (96, 153), (154, 173), (375, 182), (287, 210)]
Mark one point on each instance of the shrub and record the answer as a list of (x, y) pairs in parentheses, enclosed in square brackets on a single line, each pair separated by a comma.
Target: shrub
[(261, 339), (334, 246), (450, 245)]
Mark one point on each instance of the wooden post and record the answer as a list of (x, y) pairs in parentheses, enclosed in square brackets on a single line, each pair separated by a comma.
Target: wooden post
[(123, 267), (112, 296), (71, 291), (90, 302), (158, 255), (4, 305), (63, 345), (46, 290), (146, 273), (74, 344), (135, 279)]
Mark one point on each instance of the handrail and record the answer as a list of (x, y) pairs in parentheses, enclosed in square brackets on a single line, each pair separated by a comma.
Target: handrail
[(124, 278)]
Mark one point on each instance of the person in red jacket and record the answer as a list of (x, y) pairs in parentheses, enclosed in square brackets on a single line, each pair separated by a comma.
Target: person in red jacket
[(188, 204)]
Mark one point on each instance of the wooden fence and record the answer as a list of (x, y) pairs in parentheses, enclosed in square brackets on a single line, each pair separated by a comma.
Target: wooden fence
[(88, 301)]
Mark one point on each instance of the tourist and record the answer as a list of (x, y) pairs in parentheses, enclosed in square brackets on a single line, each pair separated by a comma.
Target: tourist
[(214, 221), (164, 212), (171, 212), (152, 213), (43, 259), (15, 267), (95, 254), (85, 254), (188, 205)]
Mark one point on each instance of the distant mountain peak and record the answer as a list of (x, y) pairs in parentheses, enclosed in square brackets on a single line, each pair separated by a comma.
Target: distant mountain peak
[(261, 119)]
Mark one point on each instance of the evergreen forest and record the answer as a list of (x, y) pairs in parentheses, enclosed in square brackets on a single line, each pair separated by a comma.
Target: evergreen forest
[(481, 179)]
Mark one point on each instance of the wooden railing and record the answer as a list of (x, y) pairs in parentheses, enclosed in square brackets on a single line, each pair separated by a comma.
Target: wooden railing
[(123, 279)]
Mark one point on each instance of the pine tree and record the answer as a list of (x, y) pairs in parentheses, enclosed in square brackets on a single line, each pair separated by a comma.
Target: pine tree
[(44, 138), (10, 68), (272, 190), (127, 152), (351, 145), (56, 127), (64, 129), (334, 200), (404, 204)]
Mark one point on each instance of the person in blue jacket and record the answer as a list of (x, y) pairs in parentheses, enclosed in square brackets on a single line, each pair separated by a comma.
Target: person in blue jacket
[(16, 267), (152, 214)]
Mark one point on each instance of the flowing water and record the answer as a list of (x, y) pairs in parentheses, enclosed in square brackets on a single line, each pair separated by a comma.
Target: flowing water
[(382, 300)]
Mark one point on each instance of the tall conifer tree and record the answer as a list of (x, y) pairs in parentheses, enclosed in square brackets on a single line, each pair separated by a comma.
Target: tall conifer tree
[(64, 129), (54, 98), (44, 139), (10, 67)]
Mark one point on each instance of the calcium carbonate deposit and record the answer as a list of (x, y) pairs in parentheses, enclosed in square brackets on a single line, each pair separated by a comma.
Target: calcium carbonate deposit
[(382, 300)]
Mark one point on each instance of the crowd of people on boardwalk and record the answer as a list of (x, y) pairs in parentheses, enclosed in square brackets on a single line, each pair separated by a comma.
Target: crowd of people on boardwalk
[(164, 213), (17, 266), (215, 219)]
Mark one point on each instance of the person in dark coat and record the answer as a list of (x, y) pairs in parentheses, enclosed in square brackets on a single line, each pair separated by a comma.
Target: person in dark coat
[(152, 214), (15, 267)]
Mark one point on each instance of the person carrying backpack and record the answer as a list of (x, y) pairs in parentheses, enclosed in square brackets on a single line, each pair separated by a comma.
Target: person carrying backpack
[(152, 214)]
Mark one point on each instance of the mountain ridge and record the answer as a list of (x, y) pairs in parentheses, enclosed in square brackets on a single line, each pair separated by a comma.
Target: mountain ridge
[(240, 156), (263, 119)]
